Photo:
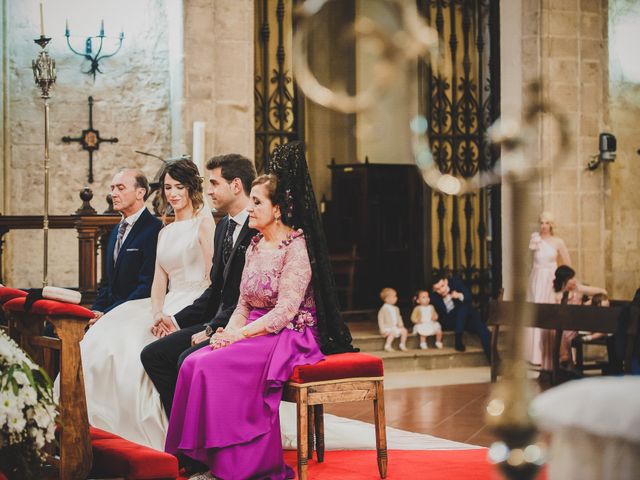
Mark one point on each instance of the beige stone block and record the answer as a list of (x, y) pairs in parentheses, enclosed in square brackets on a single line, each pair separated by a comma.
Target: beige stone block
[(589, 125), (563, 71), (591, 180), (591, 49), (591, 207), (570, 5), (592, 72), (591, 270), (565, 207), (590, 26), (564, 96), (590, 6), (233, 89), (198, 19), (591, 99), (234, 20), (530, 6), (563, 179), (591, 237), (200, 89), (558, 47), (531, 23), (564, 24)]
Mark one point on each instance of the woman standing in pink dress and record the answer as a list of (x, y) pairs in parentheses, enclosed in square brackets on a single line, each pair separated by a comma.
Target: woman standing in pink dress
[(225, 409), (546, 248)]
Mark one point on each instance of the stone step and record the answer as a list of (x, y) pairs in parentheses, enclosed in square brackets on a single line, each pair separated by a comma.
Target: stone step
[(372, 341), (431, 359)]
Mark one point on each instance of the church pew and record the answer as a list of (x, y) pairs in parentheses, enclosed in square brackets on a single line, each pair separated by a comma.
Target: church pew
[(614, 319), (83, 450)]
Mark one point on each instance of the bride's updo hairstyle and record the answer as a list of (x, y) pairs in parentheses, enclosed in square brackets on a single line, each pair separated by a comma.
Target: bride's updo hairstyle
[(277, 195), (185, 172)]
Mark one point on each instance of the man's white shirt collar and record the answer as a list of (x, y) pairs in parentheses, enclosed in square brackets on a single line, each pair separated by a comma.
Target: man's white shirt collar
[(131, 219), (240, 217)]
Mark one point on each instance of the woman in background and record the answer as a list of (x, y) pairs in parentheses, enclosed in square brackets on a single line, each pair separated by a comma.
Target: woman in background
[(547, 249)]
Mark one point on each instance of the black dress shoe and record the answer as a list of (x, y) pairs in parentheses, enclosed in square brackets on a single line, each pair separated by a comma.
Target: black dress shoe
[(459, 346)]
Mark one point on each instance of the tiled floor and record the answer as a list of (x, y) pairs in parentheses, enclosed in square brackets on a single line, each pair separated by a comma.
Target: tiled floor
[(445, 403)]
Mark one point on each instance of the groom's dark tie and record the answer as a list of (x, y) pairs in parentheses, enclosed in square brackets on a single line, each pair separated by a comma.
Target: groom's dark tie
[(227, 243)]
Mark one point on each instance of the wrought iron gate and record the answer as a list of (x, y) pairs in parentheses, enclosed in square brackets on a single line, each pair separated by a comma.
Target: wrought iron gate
[(278, 111), (461, 98)]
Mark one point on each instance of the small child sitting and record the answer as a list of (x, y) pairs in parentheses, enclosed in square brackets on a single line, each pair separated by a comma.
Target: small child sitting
[(390, 321), (425, 318)]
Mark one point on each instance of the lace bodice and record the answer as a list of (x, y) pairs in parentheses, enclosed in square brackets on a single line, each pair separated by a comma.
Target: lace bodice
[(279, 281), (180, 255)]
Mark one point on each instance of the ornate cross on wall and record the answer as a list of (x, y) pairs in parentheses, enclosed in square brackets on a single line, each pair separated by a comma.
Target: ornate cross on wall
[(90, 139)]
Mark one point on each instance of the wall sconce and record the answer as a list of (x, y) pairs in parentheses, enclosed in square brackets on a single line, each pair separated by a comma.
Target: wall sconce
[(607, 153), (93, 53)]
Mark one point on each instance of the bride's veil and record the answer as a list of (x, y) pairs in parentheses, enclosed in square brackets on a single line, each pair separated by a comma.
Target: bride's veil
[(299, 205)]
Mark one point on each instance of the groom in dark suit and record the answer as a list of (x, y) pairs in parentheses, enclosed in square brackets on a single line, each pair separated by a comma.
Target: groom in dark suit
[(131, 252), (230, 178), (452, 300)]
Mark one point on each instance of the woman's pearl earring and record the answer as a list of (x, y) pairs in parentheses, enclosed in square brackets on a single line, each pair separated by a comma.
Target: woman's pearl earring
[(277, 220)]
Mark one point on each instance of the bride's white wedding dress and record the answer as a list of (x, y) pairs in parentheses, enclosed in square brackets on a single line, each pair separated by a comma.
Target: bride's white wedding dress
[(120, 396)]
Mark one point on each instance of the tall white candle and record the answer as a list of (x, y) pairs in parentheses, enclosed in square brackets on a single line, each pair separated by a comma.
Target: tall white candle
[(197, 152), (41, 21)]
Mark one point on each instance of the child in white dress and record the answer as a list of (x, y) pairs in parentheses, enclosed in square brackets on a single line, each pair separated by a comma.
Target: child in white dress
[(390, 321), (424, 318)]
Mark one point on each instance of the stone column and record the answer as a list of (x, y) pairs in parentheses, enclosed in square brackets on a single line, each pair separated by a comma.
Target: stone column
[(218, 74), (564, 42)]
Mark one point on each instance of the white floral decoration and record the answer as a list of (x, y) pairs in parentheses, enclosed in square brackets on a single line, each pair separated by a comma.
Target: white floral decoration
[(27, 412)]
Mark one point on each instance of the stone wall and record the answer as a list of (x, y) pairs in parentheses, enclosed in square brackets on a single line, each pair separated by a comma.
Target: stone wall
[(564, 43), (623, 213), (134, 101)]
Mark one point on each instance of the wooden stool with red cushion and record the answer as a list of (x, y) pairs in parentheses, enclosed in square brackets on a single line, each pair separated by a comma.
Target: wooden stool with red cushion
[(345, 377)]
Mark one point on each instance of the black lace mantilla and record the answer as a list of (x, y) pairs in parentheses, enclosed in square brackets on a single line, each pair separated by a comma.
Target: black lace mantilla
[(289, 164)]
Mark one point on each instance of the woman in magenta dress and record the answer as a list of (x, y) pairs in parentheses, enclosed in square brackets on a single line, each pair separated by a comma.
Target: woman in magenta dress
[(225, 410)]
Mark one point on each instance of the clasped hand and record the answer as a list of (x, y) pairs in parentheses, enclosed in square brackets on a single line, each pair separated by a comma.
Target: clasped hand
[(162, 326), (223, 338)]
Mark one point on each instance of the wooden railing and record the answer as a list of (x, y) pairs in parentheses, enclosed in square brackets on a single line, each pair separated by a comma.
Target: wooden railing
[(93, 234)]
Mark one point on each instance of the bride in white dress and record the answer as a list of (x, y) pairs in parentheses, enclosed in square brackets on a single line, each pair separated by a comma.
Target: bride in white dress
[(121, 398)]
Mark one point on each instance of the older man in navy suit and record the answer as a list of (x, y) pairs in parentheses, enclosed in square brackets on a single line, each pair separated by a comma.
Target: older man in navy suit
[(131, 252), (452, 301)]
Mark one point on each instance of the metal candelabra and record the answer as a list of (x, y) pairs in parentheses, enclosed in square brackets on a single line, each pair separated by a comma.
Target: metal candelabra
[(44, 74)]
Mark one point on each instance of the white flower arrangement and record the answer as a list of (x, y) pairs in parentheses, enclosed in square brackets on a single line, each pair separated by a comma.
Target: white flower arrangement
[(27, 412)]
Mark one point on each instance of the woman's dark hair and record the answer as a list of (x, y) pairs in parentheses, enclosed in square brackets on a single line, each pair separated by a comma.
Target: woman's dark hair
[(234, 165), (278, 196), (563, 275), (185, 172)]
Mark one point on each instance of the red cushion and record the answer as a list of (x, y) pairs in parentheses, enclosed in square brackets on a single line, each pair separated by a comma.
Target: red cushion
[(336, 367), (50, 307), (7, 293), (98, 434), (114, 456)]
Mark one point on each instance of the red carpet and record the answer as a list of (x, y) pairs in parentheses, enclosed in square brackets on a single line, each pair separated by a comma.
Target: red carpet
[(403, 464)]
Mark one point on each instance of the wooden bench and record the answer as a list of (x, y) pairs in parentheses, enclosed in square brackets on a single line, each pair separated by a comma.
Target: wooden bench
[(614, 319), (83, 450)]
